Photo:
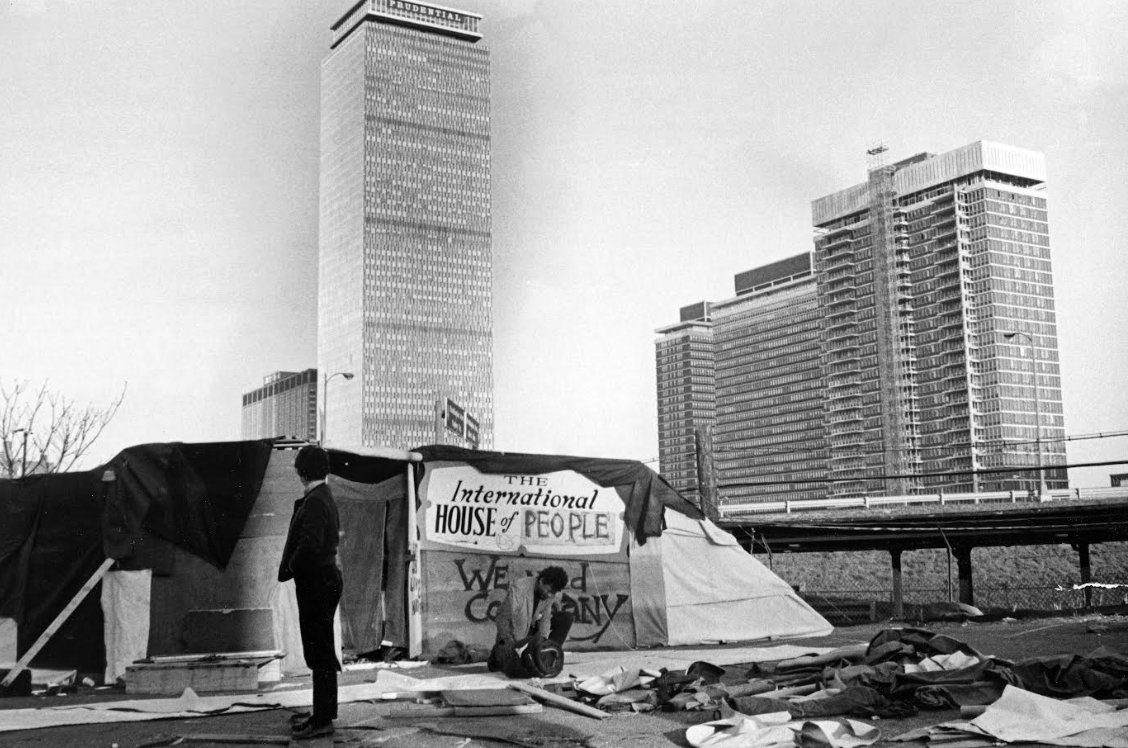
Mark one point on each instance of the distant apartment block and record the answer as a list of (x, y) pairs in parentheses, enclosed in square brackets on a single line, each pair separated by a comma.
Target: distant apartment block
[(746, 371), (915, 350), (770, 437), (686, 396), (285, 405)]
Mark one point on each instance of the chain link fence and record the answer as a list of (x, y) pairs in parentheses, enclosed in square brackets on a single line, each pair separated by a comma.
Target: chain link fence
[(863, 605), (857, 586)]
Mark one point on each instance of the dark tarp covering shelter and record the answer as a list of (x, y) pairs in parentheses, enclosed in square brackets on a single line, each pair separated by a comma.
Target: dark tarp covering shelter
[(50, 544), (56, 530)]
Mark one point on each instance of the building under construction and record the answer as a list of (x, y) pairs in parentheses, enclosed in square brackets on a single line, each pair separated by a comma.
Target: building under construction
[(917, 353), (940, 334)]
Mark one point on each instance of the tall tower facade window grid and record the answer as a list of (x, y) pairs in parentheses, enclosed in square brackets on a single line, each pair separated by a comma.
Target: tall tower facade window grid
[(405, 297), (973, 222), (770, 438), (759, 361), (685, 370), (285, 406)]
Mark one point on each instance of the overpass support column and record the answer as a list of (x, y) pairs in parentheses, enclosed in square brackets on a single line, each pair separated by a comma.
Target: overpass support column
[(1086, 571), (963, 568), (898, 590)]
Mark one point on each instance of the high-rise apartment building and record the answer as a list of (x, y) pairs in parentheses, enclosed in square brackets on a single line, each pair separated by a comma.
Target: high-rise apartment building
[(285, 406), (405, 270), (770, 439), (740, 389), (920, 355), (685, 371), (940, 340)]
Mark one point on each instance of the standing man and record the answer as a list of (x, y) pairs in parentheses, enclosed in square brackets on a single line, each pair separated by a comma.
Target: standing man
[(310, 559), (531, 608)]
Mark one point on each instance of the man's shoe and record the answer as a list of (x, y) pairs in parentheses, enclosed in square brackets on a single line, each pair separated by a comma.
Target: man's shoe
[(299, 719), (312, 730)]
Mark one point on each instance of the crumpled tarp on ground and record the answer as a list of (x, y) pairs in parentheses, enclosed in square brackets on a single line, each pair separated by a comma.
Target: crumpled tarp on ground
[(1022, 716), (900, 671), (914, 666), (587, 664)]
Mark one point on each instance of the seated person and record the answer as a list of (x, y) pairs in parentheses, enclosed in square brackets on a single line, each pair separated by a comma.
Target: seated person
[(531, 609)]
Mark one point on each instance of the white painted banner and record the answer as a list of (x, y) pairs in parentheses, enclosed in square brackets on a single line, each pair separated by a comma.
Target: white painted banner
[(561, 514)]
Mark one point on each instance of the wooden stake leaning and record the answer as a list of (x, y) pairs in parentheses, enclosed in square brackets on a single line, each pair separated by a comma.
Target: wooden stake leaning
[(57, 623), (559, 701)]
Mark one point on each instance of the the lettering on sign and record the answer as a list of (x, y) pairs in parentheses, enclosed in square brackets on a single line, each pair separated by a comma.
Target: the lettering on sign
[(472, 521), (561, 513), (597, 610), (426, 10), (580, 528), (540, 497)]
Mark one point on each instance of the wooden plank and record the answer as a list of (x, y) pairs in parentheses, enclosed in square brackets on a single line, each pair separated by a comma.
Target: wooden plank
[(573, 706), (57, 623), (268, 654), (235, 739), (201, 677), (466, 711)]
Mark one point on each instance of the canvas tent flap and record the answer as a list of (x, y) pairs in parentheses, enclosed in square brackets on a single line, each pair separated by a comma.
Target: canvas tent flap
[(645, 494), (718, 591), (372, 551), (196, 496), (125, 603), (648, 595)]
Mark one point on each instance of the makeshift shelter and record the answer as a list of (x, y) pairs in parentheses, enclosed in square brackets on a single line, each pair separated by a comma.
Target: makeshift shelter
[(430, 541), (147, 504), (646, 567)]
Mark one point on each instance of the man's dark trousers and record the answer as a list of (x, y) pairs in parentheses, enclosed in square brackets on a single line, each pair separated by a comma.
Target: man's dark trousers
[(319, 593)]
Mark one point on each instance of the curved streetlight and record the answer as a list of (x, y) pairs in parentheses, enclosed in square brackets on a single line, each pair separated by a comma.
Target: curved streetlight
[(325, 400), (1037, 409)]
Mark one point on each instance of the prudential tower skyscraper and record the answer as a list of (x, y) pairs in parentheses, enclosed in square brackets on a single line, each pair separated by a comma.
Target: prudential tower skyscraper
[(405, 269)]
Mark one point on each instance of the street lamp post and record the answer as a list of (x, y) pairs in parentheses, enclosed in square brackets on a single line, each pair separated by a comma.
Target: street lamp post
[(325, 401), (1037, 410)]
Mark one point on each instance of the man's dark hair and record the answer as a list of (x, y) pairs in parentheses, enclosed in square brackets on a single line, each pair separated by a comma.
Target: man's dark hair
[(312, 463), (554, 577)]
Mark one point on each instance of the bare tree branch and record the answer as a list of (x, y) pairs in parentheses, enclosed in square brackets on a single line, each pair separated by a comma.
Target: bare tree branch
[(46, 432)]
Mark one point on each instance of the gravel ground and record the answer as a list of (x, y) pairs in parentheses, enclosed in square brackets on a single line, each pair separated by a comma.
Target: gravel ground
[(366, 724)]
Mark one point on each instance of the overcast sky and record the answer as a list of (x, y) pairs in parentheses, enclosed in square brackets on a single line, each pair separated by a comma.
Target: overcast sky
[(158, 188)]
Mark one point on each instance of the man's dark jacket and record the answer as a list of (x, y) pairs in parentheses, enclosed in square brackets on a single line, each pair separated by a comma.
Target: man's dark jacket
[(314, 533)]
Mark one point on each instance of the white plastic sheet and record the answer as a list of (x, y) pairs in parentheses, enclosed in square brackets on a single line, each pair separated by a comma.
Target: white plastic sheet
[(1021, 715), (125, 609), (778, 730)]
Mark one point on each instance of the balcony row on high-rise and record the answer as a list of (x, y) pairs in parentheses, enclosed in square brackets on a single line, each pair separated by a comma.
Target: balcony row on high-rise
[(914, 349)]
